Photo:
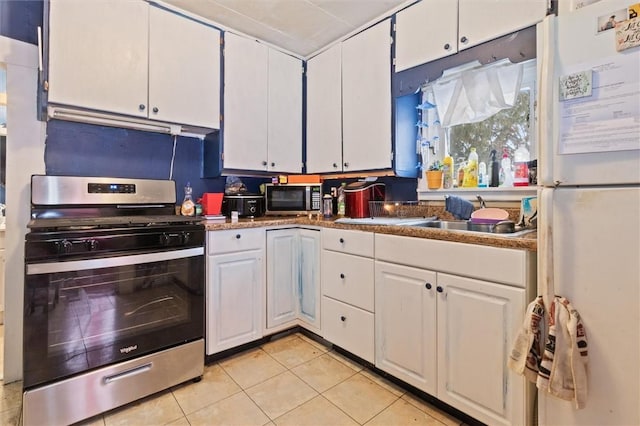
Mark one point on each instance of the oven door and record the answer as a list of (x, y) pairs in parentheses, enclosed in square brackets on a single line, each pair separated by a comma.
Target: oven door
[(84, 314)]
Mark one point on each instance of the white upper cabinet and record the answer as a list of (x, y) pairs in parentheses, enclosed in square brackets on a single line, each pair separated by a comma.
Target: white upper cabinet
[(184, 84), (366, 99), (245, 103), (324, 111), (284, 146), (433, 29), (98, 55), (426, 31), (262, 107), (483, 20), (129, 58)]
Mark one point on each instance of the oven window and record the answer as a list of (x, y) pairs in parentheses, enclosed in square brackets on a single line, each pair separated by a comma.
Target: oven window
[(79, 320), (287, 198)]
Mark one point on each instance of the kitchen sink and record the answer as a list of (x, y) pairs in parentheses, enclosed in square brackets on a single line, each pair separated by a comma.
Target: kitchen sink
[(465, 225)]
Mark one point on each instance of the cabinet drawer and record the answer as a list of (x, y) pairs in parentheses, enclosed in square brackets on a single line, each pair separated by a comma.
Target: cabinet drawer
[(348, 327), (348, 278), (352, 242), (235, 240)]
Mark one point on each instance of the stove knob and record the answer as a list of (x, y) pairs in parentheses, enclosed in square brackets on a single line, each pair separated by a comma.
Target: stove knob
[(92, 245), (186, 236), (165, 239), (252, 209), (64, 246)]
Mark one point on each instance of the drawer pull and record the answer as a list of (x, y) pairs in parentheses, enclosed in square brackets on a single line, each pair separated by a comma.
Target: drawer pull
[(439, 289), (342, 276), (238, 236), (341, 240), (428, 286), (343, 318)]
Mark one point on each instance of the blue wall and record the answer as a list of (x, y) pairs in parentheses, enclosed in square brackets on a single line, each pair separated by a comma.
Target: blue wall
[(78, 149), (20, 19)]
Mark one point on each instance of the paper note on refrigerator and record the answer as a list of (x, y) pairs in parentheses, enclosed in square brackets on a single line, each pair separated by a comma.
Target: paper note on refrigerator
[(609, 119)]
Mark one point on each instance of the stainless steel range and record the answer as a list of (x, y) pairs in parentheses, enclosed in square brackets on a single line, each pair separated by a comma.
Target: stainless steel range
[(114, 296)]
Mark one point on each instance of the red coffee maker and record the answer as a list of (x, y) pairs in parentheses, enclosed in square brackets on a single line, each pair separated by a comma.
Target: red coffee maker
[(358, 195)]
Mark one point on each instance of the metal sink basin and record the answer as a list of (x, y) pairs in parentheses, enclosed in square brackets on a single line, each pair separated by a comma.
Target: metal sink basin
[(464, 225)]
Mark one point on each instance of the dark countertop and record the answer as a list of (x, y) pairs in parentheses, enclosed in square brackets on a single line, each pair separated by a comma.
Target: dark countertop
[(527, 241)]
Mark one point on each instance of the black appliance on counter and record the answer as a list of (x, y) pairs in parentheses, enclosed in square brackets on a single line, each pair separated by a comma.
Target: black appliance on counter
[(114, 295), (247, 205)]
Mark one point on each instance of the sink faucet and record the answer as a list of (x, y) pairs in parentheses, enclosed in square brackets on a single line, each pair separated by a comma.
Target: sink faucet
[(482, 203)]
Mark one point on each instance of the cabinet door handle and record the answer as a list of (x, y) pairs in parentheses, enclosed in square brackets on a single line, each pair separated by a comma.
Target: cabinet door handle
[(273, 164), (447, 46), (238, 236), (464, 40), (428, 286), (341, 240), (342, 276), (335, 165), (439, 289), (343, 318), (155, 109), (346, 164), (141, 107), (264, 163)]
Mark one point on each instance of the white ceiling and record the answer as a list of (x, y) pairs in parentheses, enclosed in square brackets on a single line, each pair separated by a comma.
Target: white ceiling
[(301, 27)]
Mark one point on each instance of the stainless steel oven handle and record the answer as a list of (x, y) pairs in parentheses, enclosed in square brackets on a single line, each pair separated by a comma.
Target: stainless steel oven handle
[(133, 372), (108, 262)]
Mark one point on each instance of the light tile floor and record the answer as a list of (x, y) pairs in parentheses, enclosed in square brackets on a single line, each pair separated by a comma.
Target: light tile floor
[(290, 381)]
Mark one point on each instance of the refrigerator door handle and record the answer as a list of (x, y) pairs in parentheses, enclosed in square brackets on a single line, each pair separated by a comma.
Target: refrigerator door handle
[(546, 123)]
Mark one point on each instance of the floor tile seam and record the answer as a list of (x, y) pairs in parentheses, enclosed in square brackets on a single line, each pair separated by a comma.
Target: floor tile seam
[(346, 414), (242, 388), (317, 390), (410, 402), (333, 352), (382, 378), (294, 366), (186, 414), (382, 410), (273, 419)]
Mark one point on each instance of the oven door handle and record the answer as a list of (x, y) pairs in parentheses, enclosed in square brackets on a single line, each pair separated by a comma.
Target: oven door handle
[(108, 262), (133, 372)]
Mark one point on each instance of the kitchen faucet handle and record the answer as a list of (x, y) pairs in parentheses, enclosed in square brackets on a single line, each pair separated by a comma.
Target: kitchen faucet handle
[(483, 205)]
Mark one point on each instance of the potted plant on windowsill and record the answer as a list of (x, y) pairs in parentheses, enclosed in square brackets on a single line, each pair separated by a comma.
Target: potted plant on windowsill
[(434, 175)]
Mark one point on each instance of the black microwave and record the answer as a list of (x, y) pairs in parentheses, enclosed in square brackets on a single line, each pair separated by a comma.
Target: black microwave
[(293, 199)]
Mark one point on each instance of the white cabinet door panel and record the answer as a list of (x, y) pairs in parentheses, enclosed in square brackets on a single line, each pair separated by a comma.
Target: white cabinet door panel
[(184, 83), (99, 55), (366, 99), (324, 111), (282, 276), (406, 324), (484, 20), (234, 300), (309, 294), (284, 113), (477, 322), (245, 103), (425, 31)]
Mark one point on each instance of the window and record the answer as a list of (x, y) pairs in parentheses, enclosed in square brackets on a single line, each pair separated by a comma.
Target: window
[(503, 130)]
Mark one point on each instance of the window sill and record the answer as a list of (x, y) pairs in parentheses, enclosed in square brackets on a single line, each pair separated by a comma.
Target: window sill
[(487, 194)]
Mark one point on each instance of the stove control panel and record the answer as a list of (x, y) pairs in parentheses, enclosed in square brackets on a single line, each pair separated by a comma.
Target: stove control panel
[(111, 188)]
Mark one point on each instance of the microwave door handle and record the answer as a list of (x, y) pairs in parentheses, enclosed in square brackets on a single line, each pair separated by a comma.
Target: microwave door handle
[(307, 194)]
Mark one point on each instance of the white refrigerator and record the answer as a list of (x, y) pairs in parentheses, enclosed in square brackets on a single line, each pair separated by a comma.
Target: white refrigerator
[(589, 203)]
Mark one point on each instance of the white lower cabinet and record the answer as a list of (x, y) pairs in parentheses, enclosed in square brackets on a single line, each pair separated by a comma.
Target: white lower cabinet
[(450, 335), (406, 324), (347, 291), (293, 278), (235, 288), (477, 322)]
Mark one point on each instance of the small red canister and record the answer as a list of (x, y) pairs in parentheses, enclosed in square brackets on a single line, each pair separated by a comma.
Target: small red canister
[(211, 203)]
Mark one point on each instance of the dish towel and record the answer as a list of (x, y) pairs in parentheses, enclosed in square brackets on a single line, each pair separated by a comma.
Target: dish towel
[(458, 207), (562, 368)]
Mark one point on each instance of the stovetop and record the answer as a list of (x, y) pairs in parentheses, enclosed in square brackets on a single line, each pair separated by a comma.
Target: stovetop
[(108, 222)]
